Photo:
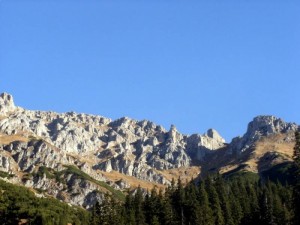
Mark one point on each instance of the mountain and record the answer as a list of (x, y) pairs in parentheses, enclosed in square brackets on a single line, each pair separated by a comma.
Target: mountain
[(78, 157)]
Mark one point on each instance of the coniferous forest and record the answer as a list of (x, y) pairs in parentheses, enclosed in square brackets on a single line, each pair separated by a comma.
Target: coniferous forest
[(240, 198), (215, 201)]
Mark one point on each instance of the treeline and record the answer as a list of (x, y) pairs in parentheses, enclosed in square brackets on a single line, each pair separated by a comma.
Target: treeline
[(213, 201), (242, 199)]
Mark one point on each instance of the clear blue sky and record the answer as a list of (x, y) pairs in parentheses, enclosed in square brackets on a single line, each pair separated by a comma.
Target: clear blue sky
[(196, 64)]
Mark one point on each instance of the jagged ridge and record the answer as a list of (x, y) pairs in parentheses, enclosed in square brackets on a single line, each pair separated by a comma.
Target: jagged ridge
[(34, 139)]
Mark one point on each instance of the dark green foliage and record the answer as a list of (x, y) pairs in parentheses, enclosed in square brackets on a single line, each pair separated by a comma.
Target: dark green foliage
[(284, 173), (5, 174), (138, 207), (18, 203), (237, 200), (214, 201), (110, 211), (296, 189), (205, 213)]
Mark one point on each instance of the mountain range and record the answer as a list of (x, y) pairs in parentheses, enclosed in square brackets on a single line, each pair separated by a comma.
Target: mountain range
[(77, 157)]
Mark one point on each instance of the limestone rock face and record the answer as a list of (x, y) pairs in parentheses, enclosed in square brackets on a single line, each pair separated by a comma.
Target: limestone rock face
[(266, 125), (259, 127), (6, 103), (200, 146), (39, 147), (93, 144), (214, 135)]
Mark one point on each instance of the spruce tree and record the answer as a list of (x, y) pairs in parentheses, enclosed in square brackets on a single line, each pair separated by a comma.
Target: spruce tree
[(236, 201), (280, 215), (138, 207), (129, 210), (206, 214), (178, 199), (214, 202), (106, 214), (95, 214), (168, 212), (266, 207), (296, 188), (223, 192), (192, 206), (253, 216)]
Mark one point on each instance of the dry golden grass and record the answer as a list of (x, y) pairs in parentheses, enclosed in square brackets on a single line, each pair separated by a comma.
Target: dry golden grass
[(185, 173), (252, 159), (7, 139), (132, 181), (2, 117), (228, 168), (275, 143)]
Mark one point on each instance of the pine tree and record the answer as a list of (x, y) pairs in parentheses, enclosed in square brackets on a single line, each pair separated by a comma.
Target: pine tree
[(160, 203), (285, 195), (138, 207), (192, 206), (106, 214), (206, 214), (155, 221), (266, 207), (153, 206), (95, 214), (214, 202), (280, 215), (235, 199), (244, 200), (178, 200), (129, 210), (223, 192), (236, 209), (296, 188), (252, 217), (168, 212)]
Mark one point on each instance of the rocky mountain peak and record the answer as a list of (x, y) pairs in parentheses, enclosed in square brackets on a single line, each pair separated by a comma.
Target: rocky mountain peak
[(97, 146), (212, 133), (261, 126), (6, 103), (173, 133), (173, 128), (122, 122), (266, 125)]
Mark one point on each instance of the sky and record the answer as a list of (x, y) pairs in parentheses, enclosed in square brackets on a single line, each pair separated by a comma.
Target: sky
[(195, 64)]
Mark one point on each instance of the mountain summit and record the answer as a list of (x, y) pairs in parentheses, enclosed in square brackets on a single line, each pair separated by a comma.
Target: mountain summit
[(77, 157), (6, 103)]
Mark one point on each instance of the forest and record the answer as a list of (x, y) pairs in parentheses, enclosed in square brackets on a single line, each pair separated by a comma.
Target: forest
[(242, 199)]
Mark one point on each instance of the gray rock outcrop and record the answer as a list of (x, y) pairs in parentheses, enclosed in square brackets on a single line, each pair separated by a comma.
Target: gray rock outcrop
[(6, 103), (35, 140), (259, 127)]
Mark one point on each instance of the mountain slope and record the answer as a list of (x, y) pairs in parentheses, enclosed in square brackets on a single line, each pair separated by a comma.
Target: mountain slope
[(78, 157)]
